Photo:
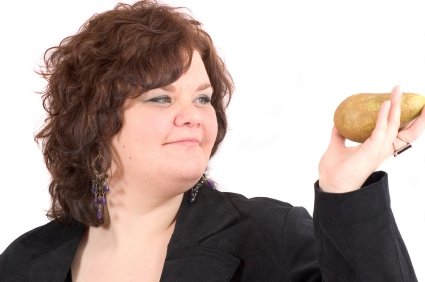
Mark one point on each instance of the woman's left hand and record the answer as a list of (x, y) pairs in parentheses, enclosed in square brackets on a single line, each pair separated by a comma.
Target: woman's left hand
[(344, 169)]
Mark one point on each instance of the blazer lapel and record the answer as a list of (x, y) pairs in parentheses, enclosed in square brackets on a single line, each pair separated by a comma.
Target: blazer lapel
[(53, 266), (188, 259), (200, 264), (50, 257)]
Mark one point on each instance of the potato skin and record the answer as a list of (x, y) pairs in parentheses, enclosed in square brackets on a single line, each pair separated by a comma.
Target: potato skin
[(355, 117)]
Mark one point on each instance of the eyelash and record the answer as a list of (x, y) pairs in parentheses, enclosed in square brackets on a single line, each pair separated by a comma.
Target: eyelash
[(161, 99), (203, 99)]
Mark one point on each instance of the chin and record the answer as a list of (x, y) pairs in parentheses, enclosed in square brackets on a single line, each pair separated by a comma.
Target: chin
[(188, 166), (188, 171), (192, 173)]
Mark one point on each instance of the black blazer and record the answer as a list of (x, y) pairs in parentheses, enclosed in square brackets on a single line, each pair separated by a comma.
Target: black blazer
[(227, 237)]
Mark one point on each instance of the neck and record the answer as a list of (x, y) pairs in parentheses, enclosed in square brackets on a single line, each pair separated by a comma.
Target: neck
[(134, 214)]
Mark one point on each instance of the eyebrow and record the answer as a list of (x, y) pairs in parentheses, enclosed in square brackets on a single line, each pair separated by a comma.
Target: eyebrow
[(200, 87), (204, 86)]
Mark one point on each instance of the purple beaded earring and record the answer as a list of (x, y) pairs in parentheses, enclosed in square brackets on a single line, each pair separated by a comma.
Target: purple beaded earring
[(195, 189), (99, 187)]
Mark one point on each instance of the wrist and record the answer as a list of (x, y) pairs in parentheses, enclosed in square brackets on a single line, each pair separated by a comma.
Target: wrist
[(338, 188)]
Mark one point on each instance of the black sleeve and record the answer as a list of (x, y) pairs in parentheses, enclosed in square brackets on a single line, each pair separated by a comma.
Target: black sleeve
[(3, 261), (299, 247), (357, 236)]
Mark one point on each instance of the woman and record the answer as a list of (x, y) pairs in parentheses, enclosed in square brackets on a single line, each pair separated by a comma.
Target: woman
[(136, 108)]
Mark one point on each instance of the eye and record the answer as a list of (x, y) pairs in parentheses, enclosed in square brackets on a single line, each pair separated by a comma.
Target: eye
[(164, 99), (204, 99)]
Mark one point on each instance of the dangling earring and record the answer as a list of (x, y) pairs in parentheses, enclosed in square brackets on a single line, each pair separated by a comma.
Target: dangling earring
[(99, 189), (195, 189)]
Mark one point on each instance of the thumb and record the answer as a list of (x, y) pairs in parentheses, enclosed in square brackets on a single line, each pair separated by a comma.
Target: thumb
[(337, 140)]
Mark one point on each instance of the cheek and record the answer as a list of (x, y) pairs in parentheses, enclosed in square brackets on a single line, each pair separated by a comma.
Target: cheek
[(212, 127), (150, 126), (141, 133)]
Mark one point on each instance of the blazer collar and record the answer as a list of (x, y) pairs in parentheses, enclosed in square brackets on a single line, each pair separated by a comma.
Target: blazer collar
[(188, 259), (209, 214)]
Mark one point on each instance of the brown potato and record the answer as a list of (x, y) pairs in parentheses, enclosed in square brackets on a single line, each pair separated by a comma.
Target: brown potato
[(355, 118)]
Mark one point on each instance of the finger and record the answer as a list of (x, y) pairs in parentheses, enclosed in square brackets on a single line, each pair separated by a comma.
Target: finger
[(337, 140), (407, 125), (382, 121), (415, 129), (394, 115)]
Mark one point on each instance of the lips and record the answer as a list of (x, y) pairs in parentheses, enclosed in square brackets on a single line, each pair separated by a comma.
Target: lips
[(184, 141)]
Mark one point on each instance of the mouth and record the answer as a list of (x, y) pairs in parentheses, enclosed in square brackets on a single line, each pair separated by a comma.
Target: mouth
[(184, 142)]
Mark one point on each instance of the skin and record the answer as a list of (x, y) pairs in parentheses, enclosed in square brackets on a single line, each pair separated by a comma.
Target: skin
[(344, 169), (167, 136), (161, 151)]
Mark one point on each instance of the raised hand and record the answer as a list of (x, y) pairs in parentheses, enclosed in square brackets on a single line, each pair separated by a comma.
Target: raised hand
[(344, 169)]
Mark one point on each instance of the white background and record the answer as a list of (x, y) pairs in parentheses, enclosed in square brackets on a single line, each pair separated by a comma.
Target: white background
[(292, 63)]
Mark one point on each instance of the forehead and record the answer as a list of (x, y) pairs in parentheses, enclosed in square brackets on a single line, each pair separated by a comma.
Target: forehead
[(195, 76), (197, 68)]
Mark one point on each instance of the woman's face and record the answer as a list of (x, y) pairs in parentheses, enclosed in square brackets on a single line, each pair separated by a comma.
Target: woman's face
[(168, 131)]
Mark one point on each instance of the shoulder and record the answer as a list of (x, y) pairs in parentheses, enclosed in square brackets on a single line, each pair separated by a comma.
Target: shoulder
[(36, 244), (268, 213), (45, 236), (257, 229), (259, 206), (256, 205)]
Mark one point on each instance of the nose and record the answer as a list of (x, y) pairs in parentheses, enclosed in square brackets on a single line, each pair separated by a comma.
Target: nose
[(188, 115)]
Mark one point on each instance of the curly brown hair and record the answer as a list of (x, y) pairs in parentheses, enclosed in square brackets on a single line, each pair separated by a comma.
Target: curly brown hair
[(116, 55)]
